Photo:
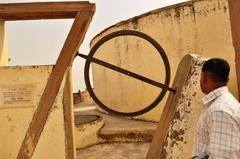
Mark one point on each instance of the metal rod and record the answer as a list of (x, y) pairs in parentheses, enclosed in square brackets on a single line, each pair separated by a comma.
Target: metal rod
[(128, 73)]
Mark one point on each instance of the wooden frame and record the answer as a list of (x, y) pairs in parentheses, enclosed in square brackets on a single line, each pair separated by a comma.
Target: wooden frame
[(82, 12)]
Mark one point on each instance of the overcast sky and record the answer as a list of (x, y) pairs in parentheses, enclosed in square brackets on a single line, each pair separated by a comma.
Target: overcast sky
[(40, 42)]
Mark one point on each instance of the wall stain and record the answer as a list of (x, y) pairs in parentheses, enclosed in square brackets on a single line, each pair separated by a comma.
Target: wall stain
[(135, 24), (177, 12), (9, 118)]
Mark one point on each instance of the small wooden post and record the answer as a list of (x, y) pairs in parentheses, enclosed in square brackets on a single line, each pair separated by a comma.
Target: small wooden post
[(69, 115)]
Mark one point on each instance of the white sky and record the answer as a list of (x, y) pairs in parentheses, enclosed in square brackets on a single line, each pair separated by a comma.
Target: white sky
[(40, 42)]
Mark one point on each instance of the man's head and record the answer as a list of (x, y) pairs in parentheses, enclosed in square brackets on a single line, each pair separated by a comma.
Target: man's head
[(215, 73)]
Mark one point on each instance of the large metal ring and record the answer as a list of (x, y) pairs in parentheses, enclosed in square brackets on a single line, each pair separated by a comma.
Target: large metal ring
[(131, 33)]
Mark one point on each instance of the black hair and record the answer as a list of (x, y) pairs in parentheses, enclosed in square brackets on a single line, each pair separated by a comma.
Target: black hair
[(217, 68)]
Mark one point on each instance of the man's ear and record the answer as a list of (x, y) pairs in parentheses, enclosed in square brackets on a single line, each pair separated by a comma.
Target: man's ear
[(204, 77)]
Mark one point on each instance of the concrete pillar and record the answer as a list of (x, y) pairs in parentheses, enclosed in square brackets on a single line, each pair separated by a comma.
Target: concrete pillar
[(235, 19), (3, 45)]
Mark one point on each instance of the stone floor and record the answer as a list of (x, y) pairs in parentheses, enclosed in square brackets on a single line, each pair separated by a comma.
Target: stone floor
[(114, 151), (113, 122)]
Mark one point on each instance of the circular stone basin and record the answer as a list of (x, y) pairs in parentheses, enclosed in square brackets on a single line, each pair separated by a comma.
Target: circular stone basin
[(83, 119)]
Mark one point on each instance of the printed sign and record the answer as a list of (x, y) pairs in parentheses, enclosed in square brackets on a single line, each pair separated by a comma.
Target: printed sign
[(16, 96)]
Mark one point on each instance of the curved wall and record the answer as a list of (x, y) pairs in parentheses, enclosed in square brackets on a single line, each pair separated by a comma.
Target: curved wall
[(201, 27)]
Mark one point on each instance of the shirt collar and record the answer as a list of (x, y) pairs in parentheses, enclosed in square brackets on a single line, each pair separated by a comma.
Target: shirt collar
[(214, 94)]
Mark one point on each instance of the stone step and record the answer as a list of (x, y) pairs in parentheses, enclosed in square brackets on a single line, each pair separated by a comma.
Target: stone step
[(109, 136)]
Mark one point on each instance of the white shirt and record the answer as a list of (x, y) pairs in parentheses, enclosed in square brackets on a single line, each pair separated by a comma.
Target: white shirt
[(218, 129)]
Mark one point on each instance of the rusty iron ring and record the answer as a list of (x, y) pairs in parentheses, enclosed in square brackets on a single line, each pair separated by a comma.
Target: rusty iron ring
[(90, 58)]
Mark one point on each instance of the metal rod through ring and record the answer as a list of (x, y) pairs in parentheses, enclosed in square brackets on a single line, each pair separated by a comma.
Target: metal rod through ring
[(128, 73)]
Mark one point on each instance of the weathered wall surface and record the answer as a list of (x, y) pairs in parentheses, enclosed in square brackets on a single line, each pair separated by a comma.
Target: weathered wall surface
[(87, 133), (3, 45), (20, 92), (201, 27), (180, 138)]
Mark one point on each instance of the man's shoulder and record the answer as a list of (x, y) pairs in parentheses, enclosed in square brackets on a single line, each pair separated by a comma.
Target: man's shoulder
[(227, 99), (226, 103)]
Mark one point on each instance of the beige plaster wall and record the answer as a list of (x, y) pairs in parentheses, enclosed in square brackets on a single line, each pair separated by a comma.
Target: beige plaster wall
[(3, 44), (20, 92), (201, 27)]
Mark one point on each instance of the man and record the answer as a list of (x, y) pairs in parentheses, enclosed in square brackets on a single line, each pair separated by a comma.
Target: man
[(218, 129)]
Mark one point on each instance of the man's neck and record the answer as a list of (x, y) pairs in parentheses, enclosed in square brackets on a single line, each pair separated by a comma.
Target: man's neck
[(216, 86)]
